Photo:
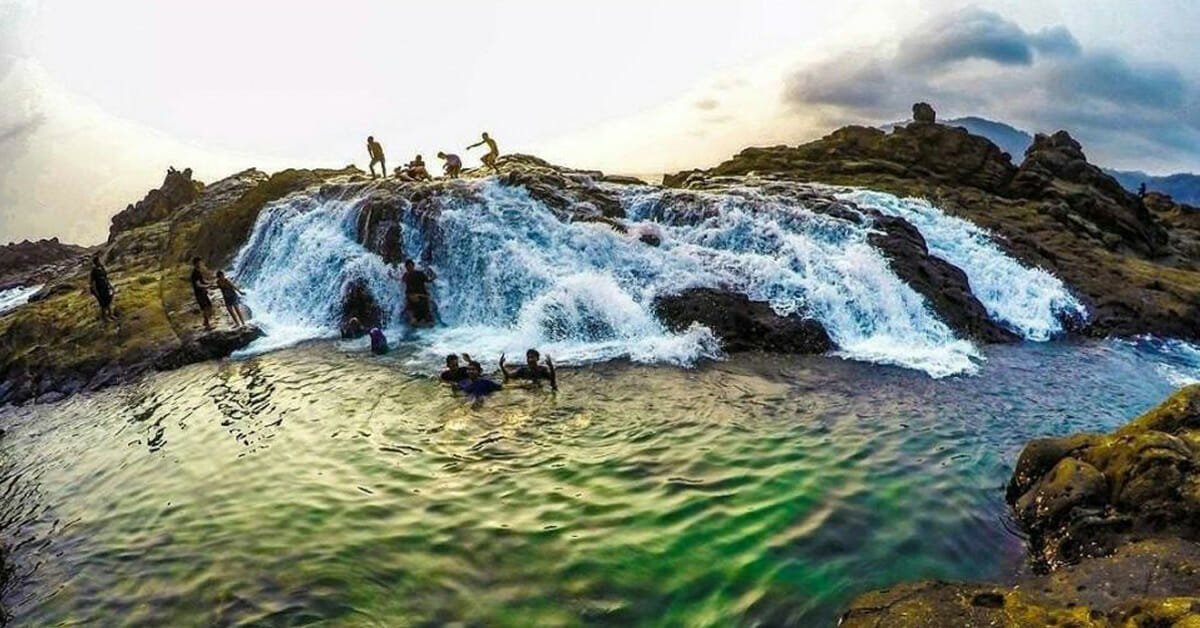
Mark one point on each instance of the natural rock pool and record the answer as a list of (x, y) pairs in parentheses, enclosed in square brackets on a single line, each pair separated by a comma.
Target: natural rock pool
[(320, 483)]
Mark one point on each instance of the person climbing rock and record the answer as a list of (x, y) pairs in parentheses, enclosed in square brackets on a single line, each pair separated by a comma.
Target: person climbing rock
[(375, 150), (102, 289), (453, 164), (476, 385), (379, 344), (200, 286), (455, 373), (231, 295), (419, 308), (493, 153), (531, 371)]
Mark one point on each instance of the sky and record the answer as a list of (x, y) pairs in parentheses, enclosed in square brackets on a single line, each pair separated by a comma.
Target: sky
[(97, 99)]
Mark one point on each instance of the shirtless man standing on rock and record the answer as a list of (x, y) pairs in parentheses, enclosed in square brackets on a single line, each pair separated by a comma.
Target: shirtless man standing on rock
[(375, 150)]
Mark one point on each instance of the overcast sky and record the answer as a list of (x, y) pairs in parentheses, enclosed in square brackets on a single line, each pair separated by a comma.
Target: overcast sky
[(98, 98)]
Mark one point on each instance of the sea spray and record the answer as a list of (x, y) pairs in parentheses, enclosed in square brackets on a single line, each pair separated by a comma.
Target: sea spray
[(1028, 301)]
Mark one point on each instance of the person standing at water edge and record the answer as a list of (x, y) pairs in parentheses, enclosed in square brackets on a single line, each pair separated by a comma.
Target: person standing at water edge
[(493, 153), (231, 295), (101, 288), (418, 307), (375, 150), (532, 372), (200, 287)]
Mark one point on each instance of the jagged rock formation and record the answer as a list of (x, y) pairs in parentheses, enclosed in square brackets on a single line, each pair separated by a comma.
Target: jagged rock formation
[(177, 190), (742, 324), (1136, 267), (1114, 525), (28, 263)]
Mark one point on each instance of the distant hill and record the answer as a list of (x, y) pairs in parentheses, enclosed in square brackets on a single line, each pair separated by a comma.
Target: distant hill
[(1184, 187)]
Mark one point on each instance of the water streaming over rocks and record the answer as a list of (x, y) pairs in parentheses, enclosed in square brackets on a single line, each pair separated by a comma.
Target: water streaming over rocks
[(16, 297), (513, 272)]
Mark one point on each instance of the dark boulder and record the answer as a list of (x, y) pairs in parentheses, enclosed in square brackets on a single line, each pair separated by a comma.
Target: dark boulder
[(178, 189), (944, 285), (923, 112), (209, 346), (742, 324), (380, 228)]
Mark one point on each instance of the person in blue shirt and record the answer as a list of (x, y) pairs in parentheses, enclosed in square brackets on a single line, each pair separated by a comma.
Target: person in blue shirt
[(476, 384)]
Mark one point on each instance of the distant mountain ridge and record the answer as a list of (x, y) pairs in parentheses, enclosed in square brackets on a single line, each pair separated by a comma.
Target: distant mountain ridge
[(1184, 187)]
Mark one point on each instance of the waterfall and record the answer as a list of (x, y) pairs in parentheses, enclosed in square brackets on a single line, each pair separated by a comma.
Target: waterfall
[(1028, 301), (511, 274)]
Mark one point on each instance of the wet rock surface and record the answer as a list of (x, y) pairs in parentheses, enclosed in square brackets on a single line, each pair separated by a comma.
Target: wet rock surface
[(1114, 535), (742, 324)]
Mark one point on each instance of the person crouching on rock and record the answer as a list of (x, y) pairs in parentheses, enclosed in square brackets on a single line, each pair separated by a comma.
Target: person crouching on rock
[(231, 295), (102, 289), (531, 372), (493, 153), (453, 164), (418, 307), (200, 286)]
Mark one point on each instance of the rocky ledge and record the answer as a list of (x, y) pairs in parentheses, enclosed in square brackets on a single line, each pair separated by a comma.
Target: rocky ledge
[(1114, 536), (1135, 261)]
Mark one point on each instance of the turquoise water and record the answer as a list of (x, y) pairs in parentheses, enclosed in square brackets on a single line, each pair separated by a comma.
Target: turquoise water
[(323, 486)]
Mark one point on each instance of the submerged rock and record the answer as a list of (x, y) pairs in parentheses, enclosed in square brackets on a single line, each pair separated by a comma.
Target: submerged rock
[(1114, 527), (742, 324)]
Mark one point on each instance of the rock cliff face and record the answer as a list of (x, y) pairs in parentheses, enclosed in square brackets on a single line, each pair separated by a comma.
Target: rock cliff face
[(1114, 527), (30, 263), (1136, 262)]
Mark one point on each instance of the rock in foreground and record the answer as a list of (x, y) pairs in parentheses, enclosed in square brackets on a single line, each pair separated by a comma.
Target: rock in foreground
[(1114, 524)]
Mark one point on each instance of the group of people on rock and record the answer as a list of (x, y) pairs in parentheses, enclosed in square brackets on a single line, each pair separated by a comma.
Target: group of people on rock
[(102, 289), (415, 170), (470, 379)]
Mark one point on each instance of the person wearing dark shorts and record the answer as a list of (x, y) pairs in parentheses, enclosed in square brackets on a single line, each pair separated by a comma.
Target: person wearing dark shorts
[(102, 289), (419, 308), (231, 295), (200, 287), (531, 371)]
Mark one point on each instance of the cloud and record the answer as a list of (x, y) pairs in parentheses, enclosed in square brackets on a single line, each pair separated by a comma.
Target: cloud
[(708, 104), (976, 62)]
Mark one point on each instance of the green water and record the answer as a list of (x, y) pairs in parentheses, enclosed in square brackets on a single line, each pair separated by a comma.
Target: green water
[(318, 486)]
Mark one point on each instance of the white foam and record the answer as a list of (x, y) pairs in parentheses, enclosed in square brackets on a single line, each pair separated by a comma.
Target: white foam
[(16, 297), (1029, 301)]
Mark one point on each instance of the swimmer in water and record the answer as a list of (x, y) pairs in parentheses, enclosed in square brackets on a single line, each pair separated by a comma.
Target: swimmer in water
[(532, 372)]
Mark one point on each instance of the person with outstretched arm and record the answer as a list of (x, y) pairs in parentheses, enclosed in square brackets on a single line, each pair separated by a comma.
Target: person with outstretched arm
[(493, 153), (232, 296), (531, 371), (200, 286)]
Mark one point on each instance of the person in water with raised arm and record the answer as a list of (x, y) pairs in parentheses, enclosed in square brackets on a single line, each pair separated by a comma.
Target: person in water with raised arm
[(101, 288), (455, 373), (531, 371), (453, 164), (200, 286), (232, 296), (375, 150), (418, 305), (493, 153)]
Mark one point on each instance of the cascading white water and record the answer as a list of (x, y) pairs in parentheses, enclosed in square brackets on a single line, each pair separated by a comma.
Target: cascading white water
[(1029, 301), (16, 297), (510, 274)]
